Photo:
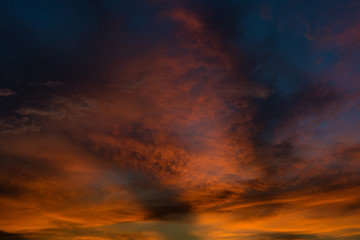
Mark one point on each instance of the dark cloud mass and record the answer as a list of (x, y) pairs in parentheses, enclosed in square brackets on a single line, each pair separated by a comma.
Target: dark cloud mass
[(158, 119), (5, 235)]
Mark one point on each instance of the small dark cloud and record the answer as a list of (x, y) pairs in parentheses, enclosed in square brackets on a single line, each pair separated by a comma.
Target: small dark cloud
[(15, 125), (300, 184), (276, 159), (259, 211), (290, 236), (73, 231), (352, 207), (16, 172), (139, 133), (150, 151), (9, 189), (42, 111), (47, 84), (59, 108), (163, 203), (5, 92), (293, 97), (346, 154), (11, 236)]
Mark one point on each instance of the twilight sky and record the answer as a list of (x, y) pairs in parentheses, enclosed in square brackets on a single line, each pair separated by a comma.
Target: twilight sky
[(180, 119)]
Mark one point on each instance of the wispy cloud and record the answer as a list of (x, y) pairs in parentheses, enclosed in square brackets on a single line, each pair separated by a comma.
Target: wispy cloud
[(5, 92)]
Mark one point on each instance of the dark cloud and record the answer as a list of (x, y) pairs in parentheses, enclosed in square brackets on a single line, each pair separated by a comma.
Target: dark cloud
[(293, 96), (15, 125), (59, 108), (8, 189), (11, 236), (4, 92), (164, 204), (17, 172), (291, 236), (147, 167), (134, 146)]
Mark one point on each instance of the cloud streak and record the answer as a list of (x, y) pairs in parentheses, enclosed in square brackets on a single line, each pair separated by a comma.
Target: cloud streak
[(5, 92)]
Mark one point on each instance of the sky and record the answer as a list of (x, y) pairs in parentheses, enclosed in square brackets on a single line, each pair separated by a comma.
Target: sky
[(179, 120)]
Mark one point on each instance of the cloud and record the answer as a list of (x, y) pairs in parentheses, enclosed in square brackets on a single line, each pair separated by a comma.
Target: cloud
[(47, 84), (60, 108), (288, 236), (186, 120), (27, 118), (5, 92), (15, 125), (15, 236)]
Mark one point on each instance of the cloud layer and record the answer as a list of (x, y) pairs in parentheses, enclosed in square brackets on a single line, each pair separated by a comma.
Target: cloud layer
[(179, 120)]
